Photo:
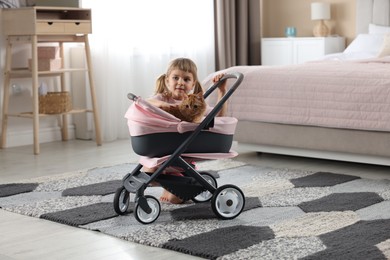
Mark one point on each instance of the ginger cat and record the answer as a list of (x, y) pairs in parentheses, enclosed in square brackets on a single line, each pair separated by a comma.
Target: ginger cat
[(191, 109)]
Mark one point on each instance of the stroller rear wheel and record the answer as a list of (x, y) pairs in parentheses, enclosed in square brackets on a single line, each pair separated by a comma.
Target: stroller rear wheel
[(206, 195), (228, 201), (144, 217), (121, 201)]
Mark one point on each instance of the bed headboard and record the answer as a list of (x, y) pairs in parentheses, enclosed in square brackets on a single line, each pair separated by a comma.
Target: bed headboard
[(371, 11)]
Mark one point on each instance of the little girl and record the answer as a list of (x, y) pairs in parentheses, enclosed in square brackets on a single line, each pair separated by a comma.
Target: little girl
[(171, 88)]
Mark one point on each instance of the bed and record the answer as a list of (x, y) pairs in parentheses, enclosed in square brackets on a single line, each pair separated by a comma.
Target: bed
[(335, 108)]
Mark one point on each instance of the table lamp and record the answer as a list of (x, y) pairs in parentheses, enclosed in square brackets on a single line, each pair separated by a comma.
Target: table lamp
[(321, 12)]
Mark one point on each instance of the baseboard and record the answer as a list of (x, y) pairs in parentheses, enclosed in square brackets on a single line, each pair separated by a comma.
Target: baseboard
[(346, 157), (46, 135)]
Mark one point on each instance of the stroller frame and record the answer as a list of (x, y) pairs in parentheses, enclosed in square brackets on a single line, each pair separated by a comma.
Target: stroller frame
[(227, 201)]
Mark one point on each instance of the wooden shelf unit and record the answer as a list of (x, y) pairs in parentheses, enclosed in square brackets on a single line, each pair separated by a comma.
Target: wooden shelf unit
[(34, 25)]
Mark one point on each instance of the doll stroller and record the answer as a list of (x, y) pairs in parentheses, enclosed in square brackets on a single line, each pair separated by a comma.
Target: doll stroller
[(164, 141)]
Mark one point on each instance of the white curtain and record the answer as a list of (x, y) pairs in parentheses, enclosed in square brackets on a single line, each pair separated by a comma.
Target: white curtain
[(132, 42)]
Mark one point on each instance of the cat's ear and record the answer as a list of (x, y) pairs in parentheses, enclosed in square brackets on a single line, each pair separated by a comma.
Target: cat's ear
[(200, 95)]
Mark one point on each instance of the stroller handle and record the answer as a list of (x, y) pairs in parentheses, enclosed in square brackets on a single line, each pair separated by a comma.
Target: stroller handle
[(131, 96), (238, 76)]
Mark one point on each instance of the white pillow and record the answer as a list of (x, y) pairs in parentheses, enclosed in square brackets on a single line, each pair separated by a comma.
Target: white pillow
[(378, 29), (366, 43), (385, 49)]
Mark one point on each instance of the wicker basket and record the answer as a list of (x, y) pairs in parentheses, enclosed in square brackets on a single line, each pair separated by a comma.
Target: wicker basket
[(55, 103)]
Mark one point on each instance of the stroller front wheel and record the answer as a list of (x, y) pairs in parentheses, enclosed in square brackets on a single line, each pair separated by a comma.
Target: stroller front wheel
[(228, 202), (144, 217), (121, 201)]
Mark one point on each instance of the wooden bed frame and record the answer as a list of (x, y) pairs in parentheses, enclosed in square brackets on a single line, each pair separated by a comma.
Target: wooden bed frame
[(371, 147)]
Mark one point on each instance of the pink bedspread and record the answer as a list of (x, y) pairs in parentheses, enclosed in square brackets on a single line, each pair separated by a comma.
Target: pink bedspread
[(338, 94)]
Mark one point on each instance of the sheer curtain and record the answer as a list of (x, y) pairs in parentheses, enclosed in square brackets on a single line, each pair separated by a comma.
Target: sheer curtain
[(132, 42)]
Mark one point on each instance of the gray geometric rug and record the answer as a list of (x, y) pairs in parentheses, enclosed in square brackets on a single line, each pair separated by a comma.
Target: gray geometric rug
[(289, 214)]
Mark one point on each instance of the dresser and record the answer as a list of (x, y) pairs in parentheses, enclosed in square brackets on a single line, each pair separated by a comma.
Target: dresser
[(32, 26), (296, 50)]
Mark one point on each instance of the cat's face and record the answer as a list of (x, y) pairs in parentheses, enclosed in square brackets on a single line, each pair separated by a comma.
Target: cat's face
[(193, 105)]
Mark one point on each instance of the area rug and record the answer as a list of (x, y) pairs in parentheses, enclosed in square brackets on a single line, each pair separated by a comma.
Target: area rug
[(289, 214)]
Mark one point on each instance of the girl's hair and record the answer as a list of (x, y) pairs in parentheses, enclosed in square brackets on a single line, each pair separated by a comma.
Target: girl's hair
[(183, 64)]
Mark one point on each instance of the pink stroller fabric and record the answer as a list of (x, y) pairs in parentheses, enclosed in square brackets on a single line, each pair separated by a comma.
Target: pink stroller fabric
[(154, 162), (144, 118)]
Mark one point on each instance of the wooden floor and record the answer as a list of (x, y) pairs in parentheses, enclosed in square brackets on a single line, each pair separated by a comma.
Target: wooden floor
[(31, 238)]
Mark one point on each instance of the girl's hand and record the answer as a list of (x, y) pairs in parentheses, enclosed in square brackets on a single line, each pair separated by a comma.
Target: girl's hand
[(221, 92), (217, 77), (158, 103), (222, 87), (167, 106)]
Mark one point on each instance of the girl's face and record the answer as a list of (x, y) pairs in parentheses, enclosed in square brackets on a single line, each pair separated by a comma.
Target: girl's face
[(180, 83)]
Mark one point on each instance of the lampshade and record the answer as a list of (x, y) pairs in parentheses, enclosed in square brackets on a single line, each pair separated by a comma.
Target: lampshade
[(320, 11)]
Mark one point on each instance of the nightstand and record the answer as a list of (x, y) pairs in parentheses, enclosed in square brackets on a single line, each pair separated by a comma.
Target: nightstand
[(296, 50)]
